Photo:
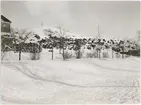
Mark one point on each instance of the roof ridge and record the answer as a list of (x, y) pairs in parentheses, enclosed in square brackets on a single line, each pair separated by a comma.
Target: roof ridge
[(5, 19)]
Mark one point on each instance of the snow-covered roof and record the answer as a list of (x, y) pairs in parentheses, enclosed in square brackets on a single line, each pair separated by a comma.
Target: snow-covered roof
[(43, 33), (40, 32), (5, 19), (32, 40)]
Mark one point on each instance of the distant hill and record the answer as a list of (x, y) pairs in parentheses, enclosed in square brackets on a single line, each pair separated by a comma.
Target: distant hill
[(45, 32)]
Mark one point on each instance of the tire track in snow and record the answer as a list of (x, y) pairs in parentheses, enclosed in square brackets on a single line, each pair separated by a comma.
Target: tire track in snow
[(30, 74), (36, 77), (21, 101), (111, 69), (123, 96)]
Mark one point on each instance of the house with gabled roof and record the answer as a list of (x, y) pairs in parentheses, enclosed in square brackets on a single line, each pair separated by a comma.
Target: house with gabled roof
[(5, 25)]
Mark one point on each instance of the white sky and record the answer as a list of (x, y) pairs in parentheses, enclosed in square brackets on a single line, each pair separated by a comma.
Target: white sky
[(116, 19)]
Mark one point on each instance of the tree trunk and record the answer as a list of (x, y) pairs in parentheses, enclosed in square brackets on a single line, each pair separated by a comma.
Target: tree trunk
[(60, 46), (112, 53), (63, 53), (99, 54), (52, 53), (59, 50), (63, 49), (123, 52), (78, 56), (20, 55), (20, 51), (79, 53)]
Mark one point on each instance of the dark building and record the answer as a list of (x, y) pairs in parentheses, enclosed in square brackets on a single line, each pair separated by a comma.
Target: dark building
[(5, 26)]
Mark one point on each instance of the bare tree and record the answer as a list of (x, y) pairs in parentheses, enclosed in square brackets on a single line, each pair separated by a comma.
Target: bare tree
[(62, 39), (21, 35)]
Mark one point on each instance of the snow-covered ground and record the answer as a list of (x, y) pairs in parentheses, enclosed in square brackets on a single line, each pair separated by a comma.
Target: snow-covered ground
[(74, 81)]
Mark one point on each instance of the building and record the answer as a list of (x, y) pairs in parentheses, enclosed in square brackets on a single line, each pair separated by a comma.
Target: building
[(5, 26)]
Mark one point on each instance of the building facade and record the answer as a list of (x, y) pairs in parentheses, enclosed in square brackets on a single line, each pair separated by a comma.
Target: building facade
[(5, 26)]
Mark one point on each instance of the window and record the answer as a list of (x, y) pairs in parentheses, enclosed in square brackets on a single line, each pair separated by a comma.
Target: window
[(4, 25)]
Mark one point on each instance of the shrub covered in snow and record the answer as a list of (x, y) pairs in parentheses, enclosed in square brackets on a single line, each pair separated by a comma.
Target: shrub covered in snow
[(67, 55), (35, 52), (90, 55), (35, 56), (6, 43), (78, 54)]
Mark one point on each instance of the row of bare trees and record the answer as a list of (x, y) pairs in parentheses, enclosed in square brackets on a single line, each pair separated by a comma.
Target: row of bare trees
[(119, 47), (16, 42), (19, 36)]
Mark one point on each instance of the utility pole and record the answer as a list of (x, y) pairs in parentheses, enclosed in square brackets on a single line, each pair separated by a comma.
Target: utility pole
[(98, 31), (123, 51), (42, 24), (99, 42)]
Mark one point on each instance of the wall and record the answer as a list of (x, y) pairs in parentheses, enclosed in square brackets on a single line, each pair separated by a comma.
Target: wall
[(5, 27)]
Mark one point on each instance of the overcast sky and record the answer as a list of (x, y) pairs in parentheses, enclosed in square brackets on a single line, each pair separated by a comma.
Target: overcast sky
[(117, 19)]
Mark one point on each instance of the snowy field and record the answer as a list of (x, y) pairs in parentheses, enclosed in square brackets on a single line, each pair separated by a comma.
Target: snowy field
[(74, 81)]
